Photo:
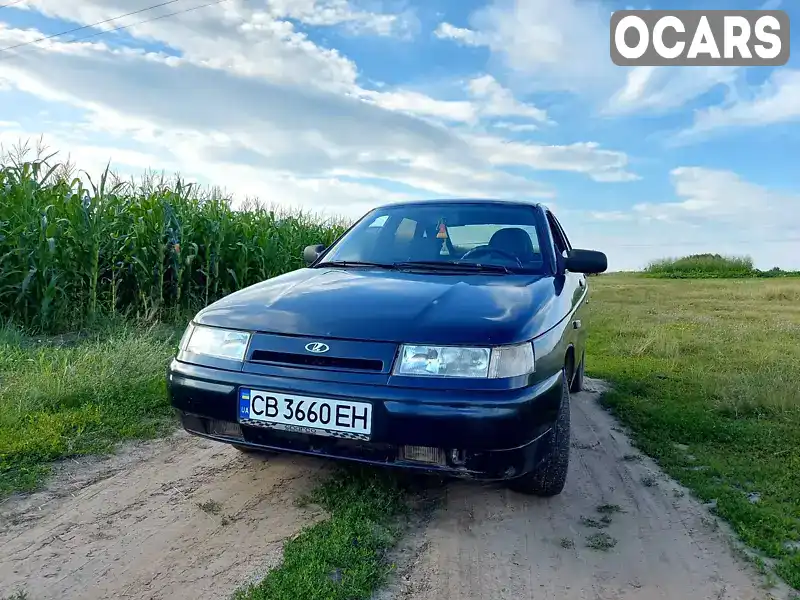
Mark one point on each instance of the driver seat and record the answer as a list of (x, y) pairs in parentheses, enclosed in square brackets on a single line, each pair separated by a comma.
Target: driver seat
[(515, 241)]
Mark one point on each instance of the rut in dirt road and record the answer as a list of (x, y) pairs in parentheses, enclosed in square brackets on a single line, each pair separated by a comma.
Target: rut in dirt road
[(648, 539), (181, 518)]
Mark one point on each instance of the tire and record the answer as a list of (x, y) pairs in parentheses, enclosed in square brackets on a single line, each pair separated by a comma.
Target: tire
[(577, 380), (550, 477)]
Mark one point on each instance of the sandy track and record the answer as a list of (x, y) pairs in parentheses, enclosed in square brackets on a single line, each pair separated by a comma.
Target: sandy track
[(489, 543), (131, 526)]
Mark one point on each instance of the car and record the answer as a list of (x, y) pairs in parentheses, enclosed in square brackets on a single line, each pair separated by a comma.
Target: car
[(440, 335)]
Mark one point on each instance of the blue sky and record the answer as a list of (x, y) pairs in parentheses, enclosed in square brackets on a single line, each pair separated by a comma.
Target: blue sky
[(337, 105)]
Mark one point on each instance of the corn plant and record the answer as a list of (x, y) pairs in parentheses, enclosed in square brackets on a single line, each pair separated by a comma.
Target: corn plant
[(71, 251)]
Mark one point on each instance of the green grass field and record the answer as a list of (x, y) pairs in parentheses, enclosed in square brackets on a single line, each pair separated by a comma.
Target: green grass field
[(707, 373), (705, 368)]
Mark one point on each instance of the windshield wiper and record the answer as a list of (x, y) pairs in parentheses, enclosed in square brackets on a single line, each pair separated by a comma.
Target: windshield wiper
[(354, 263), (446, 265)]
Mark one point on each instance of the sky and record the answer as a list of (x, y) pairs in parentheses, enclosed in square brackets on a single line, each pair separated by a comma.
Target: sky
[(337, 106)]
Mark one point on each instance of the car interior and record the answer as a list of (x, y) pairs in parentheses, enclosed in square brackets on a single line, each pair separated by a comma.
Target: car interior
[(396, 239)]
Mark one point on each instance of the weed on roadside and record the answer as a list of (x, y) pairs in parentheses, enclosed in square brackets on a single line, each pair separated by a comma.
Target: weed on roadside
[(567, 543), (597, 524), (365, 506), (601, 541), (649, 481), (211, 507), (631, 457), (609, 509), (58, 401)]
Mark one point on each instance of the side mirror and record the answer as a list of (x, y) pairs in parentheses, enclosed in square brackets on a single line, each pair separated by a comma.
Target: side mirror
[(586, 261), (311, 253)]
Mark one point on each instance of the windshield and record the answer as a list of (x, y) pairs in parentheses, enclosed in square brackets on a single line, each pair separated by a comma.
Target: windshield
[(442, 233)]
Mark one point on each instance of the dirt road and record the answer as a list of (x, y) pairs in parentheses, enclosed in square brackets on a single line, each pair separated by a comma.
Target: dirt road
[(178, 518), (491, 544), (188, 518)]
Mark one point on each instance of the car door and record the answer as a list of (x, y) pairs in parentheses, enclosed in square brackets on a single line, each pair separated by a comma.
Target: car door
[(574, 287)]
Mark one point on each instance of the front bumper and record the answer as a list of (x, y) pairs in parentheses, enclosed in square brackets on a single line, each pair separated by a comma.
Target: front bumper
[(488, 436)]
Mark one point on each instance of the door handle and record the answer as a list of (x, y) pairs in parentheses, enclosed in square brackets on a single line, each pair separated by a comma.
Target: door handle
[(581, 282)]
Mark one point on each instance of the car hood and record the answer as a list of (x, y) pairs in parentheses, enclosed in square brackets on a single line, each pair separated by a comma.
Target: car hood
[(391, 306)]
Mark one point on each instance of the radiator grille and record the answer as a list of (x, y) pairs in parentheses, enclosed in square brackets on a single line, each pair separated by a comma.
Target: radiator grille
[(313, 360)]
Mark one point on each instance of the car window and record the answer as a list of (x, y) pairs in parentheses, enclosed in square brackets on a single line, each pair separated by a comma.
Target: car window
[(558, 238), (379, 221), (471, 236), (405, 230), (485, 233), (564, 237)]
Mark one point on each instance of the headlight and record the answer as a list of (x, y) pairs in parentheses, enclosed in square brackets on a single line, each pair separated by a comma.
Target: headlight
[(459, 361), (212, 341)]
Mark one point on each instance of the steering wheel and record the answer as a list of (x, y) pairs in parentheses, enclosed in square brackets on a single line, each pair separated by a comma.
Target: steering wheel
[(489, 250)]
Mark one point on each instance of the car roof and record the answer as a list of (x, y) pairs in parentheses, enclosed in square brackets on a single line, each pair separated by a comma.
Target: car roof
[(493, 201)]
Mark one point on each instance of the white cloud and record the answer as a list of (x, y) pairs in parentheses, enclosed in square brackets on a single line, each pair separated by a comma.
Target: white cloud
[(515, 127), (724, 198), (663, 88), (488, 99), (561, 45), (322, 13), (278, 132), (468, 37), (272, 122), (337, 12), (584, 157), (416, 103), (564, 46), (714, 211), (776, 101), (500, 102), (229, 36)]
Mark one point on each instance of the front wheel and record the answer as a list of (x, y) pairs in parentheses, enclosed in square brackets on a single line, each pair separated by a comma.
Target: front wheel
[(549, 478), (577, 379)]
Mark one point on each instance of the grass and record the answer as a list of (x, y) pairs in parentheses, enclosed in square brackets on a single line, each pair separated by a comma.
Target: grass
[(706, 374), (211, 507), (71, 253), (602, 523), (67, 396), (344, 557), (649, 481), (601, 541)]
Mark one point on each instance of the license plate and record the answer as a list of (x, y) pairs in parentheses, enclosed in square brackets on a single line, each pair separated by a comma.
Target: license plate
[(304, 414)]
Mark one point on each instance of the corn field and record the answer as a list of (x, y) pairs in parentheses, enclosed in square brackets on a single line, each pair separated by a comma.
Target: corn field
[(71, 252)]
